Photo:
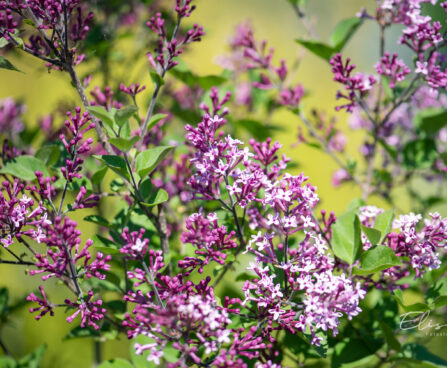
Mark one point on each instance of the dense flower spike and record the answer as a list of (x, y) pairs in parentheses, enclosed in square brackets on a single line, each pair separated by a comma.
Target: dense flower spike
[(393, 68), (90, 311)]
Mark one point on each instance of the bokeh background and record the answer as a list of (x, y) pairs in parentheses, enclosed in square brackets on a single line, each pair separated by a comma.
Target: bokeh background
[(273, 20)]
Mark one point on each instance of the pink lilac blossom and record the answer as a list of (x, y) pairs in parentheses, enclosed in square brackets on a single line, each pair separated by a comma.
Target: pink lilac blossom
[(10, 117), (356, 86), (392, 68), (18, 218)]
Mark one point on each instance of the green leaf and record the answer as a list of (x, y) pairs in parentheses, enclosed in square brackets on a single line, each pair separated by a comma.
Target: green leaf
[(352, 350), (123, 115), (24, 167), (378, 258), (192, 80), (98, 176), (373, 235), (124, 144), (49, 155), (355, 204), (146, 189), (6, 64), (420, 354), (384, 223), (419, 154), (148, 160), (440, 301), (318, 48), (158, 197), (346, 241), (157, 79), (116, 163), (116, 363), (343, 32), (98, 220), (32, 360), (154, 120), (431, 120), (102, 114), (79, 332), (388, 334), (416, 307), (7, 362)]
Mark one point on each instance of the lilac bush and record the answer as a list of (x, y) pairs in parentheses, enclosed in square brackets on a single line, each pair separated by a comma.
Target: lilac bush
[(212, 252)]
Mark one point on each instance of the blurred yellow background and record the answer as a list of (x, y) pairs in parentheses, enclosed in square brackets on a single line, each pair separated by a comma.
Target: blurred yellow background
[(273, 20)]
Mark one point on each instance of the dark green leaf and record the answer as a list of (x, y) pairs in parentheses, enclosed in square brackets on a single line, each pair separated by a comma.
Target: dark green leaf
[(351, 351), (124, 144), (388, 334), (343, 32), (441, 301), (346, 241), (318, 48), (116, 163), (24, 167), (146, 189), (6, 64), (416, 307), (79, 332), (419, 154), (420, 354), (148, 160), (431, 120), (378, 258), (96, 219)]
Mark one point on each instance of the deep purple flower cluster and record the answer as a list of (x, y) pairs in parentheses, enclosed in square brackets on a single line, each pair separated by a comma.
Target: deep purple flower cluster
[(209, 239)]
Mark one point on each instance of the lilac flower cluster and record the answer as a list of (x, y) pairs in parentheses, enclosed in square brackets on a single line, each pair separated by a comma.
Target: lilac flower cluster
[(249, 54), (10, 117), (59, 27), (423, 247), (393, 68), (209, 238), (18, 218), (169, 48), (356, 86)]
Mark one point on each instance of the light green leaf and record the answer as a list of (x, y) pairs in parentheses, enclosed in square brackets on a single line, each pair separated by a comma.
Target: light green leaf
[(24, 167), (148, 160), (373, 235), (154, 120), (102, 114), (343, 32), (416, 307), (157, 79), (346, 240), (49, 155), (124, 144), (122, 115), (157, 197), (116, 363), (98, 176), (384, 223), (378, 258)]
